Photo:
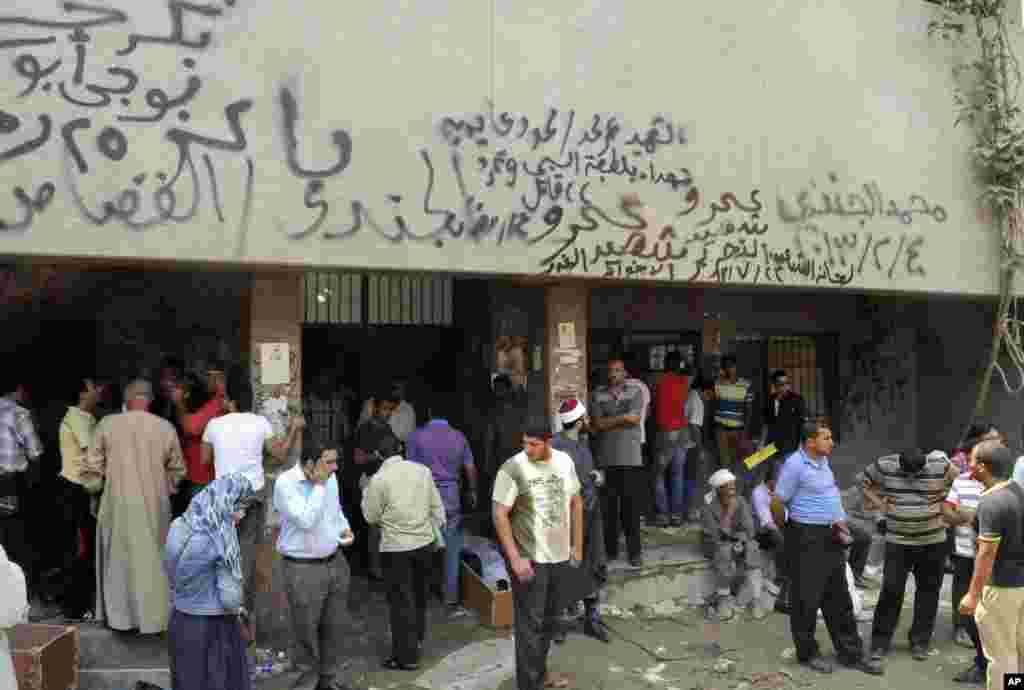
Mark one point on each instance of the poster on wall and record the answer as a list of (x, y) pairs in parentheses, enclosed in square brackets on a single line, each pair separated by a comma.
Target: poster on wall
[(274, 364)]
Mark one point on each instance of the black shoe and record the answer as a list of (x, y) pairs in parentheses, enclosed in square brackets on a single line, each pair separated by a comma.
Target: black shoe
[(593, 627), (782, 607), (919, 652), (819, 664), (871, 666), (636, 562), (971, 676), (395, 665)]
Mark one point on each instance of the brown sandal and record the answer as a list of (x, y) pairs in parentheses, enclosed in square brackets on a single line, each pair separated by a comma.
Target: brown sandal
[(556, 680)]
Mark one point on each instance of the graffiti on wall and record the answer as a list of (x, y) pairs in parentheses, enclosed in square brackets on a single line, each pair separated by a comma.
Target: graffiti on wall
[(875, 389), (548, 186), (123, 105)]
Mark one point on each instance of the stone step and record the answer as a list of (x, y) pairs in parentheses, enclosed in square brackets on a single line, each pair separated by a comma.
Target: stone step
[(105, 648)]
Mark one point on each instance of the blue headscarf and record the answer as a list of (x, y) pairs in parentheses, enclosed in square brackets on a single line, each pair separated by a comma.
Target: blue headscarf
[(211, 513)]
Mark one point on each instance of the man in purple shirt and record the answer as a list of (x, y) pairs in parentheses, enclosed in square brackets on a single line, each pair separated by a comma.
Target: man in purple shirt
[(446, 452)]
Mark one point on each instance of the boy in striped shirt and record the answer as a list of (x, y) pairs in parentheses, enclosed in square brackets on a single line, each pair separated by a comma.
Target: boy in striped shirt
[(960, 509)]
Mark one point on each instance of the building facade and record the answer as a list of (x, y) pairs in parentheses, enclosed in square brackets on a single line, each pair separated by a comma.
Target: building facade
[(528, 186)]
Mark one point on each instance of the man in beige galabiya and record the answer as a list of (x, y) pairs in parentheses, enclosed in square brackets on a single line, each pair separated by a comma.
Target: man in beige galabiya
[(135, 460)]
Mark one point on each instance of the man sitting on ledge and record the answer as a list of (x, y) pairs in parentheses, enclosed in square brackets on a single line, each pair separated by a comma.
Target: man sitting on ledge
[(731, 545)]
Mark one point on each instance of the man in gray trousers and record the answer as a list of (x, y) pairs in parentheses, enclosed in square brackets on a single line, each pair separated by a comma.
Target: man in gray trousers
[(538, 515), (316, 574)]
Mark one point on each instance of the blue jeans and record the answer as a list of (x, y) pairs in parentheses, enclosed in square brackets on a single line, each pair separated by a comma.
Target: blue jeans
[(452, 561), (670, 487)]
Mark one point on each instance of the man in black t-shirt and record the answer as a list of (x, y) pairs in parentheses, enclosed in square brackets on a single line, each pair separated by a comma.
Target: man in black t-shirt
[(996, 596)]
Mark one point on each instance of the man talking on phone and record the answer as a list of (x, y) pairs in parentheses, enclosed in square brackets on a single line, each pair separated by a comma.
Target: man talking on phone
[(316, 574), (538, 515)]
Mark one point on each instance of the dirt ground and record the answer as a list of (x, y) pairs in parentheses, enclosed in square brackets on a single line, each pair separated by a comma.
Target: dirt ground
[(665, 649)]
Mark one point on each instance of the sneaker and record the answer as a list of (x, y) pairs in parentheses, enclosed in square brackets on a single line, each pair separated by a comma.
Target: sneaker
[(676, 521), (871, 666), (963, 639), (971, 676), (661, 521)]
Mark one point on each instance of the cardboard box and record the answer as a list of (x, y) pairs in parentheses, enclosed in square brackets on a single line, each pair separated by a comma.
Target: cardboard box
[(495, 608), (46, 657)]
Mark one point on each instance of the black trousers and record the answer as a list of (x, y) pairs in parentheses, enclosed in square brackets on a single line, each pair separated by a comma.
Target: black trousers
[(407, 574), (79, 571), (859, 549), (774, 541), (927, 563), (537, 605), (625, 492), (817, 566), (14, 528), (250, 536), (963, 571)]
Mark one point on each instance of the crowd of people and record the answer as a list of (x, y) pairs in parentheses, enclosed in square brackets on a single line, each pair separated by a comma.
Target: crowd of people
[(165, 502)]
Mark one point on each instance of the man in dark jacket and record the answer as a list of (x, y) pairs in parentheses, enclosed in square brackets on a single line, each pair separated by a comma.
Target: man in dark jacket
[(784, 414), (587, 580)]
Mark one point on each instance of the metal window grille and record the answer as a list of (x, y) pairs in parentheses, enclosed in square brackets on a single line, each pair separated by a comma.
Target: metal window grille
[(379, 299), (334, 298), (798, 356)]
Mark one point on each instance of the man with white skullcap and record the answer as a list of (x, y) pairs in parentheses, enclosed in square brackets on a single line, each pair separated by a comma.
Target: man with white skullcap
[(730, 544), (587, 580)]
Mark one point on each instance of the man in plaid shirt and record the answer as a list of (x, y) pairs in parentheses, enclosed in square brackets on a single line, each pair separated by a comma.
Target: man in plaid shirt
[(19, 445)]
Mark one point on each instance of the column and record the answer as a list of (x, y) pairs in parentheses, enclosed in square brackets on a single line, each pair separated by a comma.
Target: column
[(276, 308), (567, 320)]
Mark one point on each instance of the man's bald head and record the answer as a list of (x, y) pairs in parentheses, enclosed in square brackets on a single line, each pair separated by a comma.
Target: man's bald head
[(138, 395)]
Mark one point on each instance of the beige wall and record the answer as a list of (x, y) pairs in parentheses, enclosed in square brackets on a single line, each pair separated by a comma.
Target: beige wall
[(814, 127)]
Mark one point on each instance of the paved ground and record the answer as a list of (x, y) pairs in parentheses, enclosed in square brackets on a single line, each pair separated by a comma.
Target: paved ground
[(660, 649)]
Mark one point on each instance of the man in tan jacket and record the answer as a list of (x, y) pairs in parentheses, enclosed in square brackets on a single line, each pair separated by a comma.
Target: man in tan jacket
[(135, 460)]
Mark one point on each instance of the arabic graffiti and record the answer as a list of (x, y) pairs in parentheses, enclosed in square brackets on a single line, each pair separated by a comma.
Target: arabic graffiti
[(863, 207), (875, 388), (149, 198)]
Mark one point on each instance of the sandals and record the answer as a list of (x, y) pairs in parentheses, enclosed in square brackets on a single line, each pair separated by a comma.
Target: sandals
[(556, 680), (394, 664)]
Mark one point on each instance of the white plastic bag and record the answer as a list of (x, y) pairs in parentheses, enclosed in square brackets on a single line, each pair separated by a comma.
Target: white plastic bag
[(858, 601)]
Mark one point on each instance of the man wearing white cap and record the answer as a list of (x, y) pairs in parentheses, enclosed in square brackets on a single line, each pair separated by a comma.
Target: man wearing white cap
[(730, 544), (586, 581)]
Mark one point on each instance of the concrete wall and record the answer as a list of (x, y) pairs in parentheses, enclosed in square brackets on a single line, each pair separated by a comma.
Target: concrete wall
[(878, 391), (798, 144)]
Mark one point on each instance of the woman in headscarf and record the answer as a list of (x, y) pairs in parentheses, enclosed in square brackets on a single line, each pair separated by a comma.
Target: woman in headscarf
[(13, 610), (208, 631)]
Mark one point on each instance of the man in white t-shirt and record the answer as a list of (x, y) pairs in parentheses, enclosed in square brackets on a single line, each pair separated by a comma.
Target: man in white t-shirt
[(538, 515), (236, 443)]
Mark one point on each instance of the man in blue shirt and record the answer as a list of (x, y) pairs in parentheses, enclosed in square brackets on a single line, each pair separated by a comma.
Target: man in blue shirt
[(816, 553), (316, 574)]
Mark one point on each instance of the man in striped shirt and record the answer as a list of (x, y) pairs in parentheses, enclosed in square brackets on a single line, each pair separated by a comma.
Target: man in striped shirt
[(734, 396), (911, 488)]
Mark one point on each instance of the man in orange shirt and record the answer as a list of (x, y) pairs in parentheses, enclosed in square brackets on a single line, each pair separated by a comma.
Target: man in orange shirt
[(670, 393), (193, 421)]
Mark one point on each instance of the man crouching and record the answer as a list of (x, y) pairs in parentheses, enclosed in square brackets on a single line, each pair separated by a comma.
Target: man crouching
[(730, 545)]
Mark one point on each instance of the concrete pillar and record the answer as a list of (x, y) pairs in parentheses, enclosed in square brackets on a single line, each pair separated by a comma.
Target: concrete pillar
[(567, 320), (275, 315)]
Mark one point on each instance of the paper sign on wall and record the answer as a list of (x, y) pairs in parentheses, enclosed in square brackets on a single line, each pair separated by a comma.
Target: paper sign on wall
[(566, 335), (275, 366)]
